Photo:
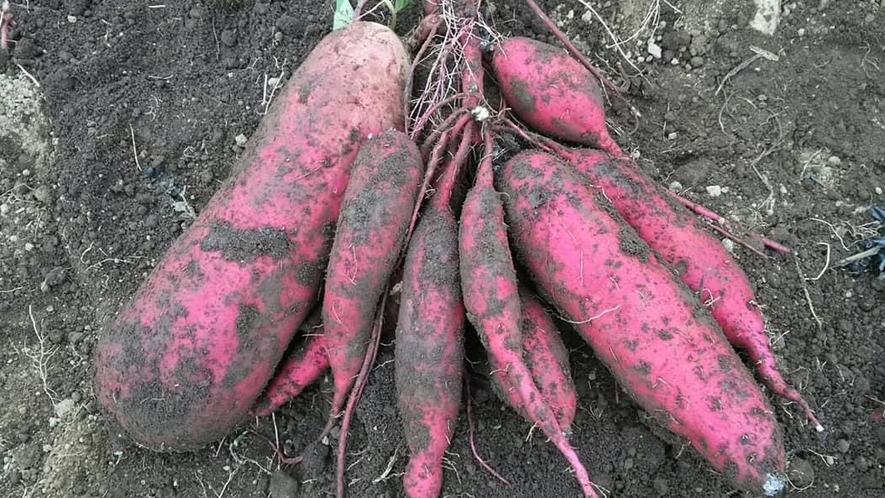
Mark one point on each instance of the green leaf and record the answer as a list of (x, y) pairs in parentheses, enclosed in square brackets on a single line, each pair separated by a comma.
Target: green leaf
[(343, 14), (401, 4)]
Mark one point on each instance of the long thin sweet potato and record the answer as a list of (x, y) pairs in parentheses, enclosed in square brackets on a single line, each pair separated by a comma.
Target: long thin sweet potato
[(547, 360), (644, 324), (185, 360), (368, 243), (430, 344), (699, 258), (488, 280)]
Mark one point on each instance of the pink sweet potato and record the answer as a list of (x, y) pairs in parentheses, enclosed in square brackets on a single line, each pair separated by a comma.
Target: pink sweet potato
[(185, 360), (301, 368), (489, 284), (368, 243), (552, 92), (699, 258), (547, 360), (430, 344), (645, 325)]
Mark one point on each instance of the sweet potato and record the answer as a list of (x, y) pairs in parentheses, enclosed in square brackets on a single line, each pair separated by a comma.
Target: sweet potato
[(185, 360), (489, 284), (547, 359), (301, 368), (552, 92), (645, 325), (430, 344), (699, 258), (368, 243)]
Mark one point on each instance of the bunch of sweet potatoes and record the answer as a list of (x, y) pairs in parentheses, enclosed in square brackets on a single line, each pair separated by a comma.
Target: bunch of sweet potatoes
[(329, 209)]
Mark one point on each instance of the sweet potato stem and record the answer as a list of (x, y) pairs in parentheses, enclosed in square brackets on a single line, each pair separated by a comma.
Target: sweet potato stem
[(432, 163), (716, 223), (452, 122), (457, 163), (716, 218), (421, 122), (5, 22)]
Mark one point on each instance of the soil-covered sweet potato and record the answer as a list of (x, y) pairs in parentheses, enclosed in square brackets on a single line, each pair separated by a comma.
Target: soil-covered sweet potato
[(646, 326), (186, 358), (369, 241)]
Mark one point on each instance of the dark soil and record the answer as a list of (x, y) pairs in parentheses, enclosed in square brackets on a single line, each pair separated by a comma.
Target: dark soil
[(792, 148)]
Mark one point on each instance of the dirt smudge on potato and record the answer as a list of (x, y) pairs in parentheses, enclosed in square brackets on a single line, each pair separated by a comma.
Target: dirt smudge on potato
[(245, 321), (237, 244), (523, 96)]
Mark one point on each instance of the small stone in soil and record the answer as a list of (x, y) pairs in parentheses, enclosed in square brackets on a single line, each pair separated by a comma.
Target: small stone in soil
[(282, 485), (801, 473)]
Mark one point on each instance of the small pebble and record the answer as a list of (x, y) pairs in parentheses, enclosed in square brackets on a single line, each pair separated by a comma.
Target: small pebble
[(729, 245), (714, 190), (654, 50), (843, 446), (282, 485), (801, 473)]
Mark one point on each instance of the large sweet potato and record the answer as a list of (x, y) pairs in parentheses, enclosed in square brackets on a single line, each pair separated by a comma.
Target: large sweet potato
[(183, 362), (701, 261), (663, 348)]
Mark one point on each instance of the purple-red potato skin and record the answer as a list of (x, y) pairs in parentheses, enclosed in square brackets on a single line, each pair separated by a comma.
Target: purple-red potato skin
[(699, 259), (552, 92), (303, 367), (184, 361), (430, 348), (491, 297), (369, 240), (645, 325), (547, 359), (489, 284)]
